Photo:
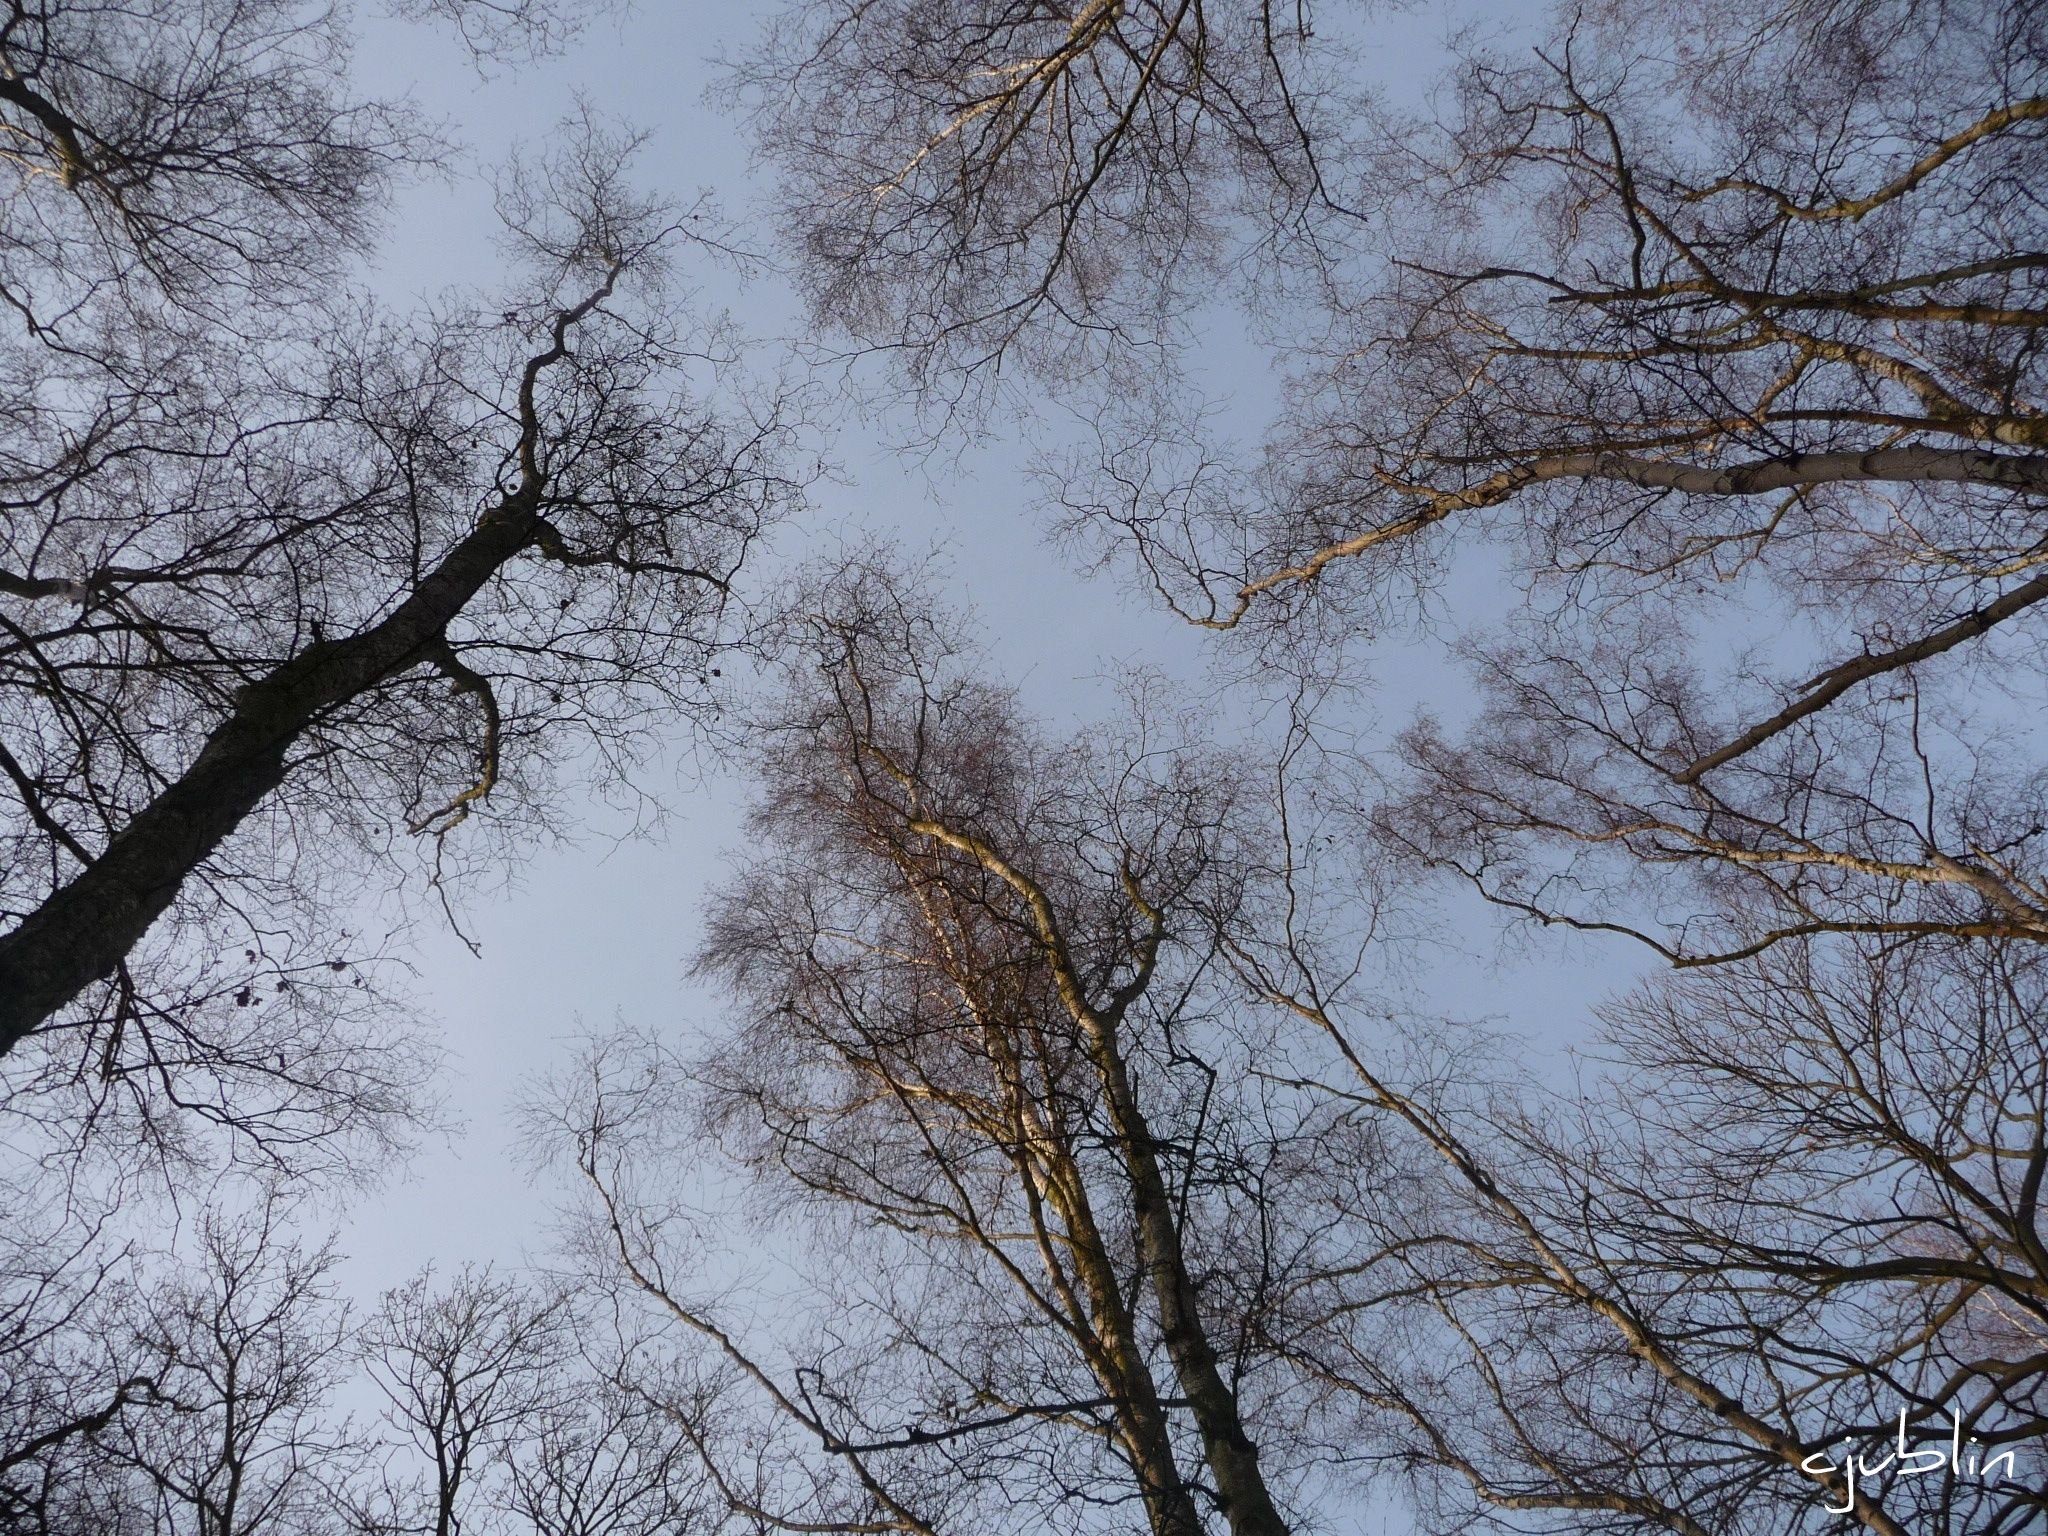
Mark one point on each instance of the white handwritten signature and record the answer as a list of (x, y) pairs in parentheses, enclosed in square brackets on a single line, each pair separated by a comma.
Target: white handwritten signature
[(1933, 1459)]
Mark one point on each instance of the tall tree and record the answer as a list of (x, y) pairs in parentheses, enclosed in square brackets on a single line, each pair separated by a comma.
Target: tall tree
[(981, 1042), (288, 585), (1720, 326), (1717, 328), (1772, 1260), (203, 1393)]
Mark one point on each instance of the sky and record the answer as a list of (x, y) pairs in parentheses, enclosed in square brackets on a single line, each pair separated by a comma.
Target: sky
[(601, 929)]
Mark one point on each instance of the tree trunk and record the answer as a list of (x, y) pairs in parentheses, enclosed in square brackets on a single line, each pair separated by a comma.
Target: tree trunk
[(83, 931), (1232, 1457)]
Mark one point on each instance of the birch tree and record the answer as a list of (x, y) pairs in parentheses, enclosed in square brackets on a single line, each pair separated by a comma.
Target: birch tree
[(1717, 327)]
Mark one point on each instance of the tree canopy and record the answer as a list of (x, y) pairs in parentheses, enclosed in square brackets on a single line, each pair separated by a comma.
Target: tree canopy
[(1078, 1141)]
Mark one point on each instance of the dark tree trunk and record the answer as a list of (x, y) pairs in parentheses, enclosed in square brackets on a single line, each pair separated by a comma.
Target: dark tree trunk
[(83, 931)]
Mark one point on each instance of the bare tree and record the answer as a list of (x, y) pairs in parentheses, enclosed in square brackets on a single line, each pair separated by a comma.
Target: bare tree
[(964, 181), (291, 589), (463, 1369), (208, 158), (204, 1392), (501, 1416), (990, 1054), (1773, 1262), (612, 1464), (218, 1377), (1719, 326), (57, 1276)]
